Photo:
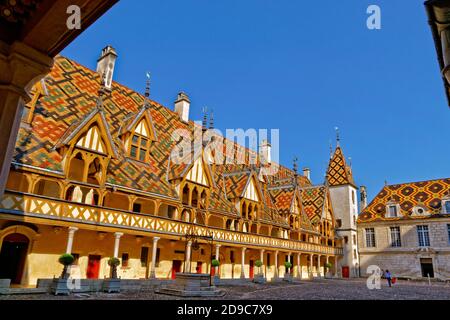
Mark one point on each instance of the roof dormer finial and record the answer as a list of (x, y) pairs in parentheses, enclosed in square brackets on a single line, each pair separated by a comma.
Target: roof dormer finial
[(338, 137), (205, 118), (295, 166), (147, 86)]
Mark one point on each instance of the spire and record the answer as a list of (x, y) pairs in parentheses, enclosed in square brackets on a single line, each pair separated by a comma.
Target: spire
[(147, 87), (295, 166), (331, 150), (295, 169), (211, 120), (338, 137), (339, 173), (205, 119)]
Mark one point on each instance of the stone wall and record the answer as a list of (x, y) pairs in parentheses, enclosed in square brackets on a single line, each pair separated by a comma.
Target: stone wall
[(405, 261)]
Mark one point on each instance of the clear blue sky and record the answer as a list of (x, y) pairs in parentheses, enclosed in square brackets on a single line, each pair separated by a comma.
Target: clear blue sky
[(304, 67)]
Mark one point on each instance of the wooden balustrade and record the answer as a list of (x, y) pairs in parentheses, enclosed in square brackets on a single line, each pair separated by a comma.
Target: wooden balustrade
[(37, 206)]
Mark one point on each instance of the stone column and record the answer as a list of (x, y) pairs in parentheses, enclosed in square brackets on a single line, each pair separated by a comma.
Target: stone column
[(187, 263), (326, 263), (117, 237), (154, 252), (20, 68), (289, 259), (299, 265), (275, 276), (319, 273), (261, 257), (217, 258), (243, 263), (70, 236), (336, 266), (311, 265)]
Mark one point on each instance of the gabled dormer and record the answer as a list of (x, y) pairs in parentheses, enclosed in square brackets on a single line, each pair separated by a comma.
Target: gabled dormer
[(87, 148), (138, 134), (195, 184)]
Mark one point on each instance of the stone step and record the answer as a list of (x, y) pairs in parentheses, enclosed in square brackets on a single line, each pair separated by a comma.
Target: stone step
[(23, 291), (184, 293)]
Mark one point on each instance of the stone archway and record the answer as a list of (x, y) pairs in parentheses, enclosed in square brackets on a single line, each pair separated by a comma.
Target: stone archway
[(15, 245), (13, 255)]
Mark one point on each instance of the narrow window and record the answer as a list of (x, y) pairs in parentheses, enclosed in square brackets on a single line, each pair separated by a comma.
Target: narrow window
[(424, 236), (137, 207), (447, 206), (370, 238), (232, 256), (158, 253), (144, 256), (268, 260), (448, 231), (395, 237), (125, 258)]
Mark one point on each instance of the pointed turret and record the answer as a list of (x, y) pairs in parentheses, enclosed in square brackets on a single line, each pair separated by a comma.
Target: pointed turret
[(343, 191), (339, 173)]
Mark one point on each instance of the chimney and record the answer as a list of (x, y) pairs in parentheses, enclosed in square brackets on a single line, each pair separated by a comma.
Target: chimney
[(265, 152), (106, 64), (182, 105), (363, 200), (307, 173)]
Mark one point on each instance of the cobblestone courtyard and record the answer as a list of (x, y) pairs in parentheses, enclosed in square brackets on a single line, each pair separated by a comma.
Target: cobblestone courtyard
[(303, 290)]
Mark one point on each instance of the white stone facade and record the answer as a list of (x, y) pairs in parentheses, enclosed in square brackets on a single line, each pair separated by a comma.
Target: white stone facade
[(406, 260), (345, 208)]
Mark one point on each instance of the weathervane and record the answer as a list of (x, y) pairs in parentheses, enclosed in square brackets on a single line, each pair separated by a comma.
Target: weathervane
[(338, 138)]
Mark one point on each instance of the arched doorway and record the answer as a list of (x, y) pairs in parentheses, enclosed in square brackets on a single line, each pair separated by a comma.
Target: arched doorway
[(12, 257)]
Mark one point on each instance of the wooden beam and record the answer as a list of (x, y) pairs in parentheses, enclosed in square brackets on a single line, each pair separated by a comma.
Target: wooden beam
[(48, 31)]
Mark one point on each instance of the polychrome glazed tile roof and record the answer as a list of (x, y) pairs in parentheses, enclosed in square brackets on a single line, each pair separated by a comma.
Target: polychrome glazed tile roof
[(314, 202), (71, 99), (338, 172), (426, 194)]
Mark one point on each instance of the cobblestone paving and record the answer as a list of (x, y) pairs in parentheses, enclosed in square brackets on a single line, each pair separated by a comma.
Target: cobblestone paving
[(302, 290)]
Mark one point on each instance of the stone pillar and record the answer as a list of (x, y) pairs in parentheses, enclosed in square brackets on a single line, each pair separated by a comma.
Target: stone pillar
[(117, 237), (154, 252), (311, 265), (289, 259), (326, 263), (243, 263), (70, 236), (299, 265), (336, 266), (217, 258), (275, 276), (319, 273), (187, 263), (20, 68), (261, 257)]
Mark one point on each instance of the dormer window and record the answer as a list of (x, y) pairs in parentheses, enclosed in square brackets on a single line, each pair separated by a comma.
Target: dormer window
[(420, 211), (392, 211), (446, 206), (140, 142)]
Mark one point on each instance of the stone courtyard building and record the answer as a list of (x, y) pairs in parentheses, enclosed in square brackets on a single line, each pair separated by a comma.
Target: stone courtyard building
[(94, 175), (406, 229)]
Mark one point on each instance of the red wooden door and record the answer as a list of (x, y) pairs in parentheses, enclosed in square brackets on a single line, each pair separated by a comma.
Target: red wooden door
[(213, 271), (346, 272), (176, 267), (93, 268), (252, 269), (199, 267)]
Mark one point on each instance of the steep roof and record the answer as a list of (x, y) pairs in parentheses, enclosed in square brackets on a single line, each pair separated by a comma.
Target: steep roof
[(426, 194), (72, 100), (339, 173)]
